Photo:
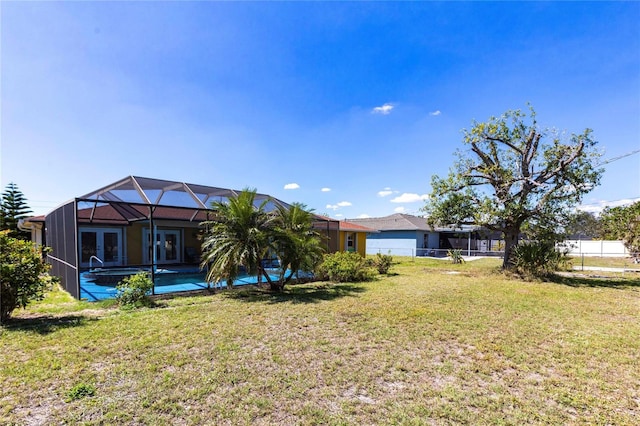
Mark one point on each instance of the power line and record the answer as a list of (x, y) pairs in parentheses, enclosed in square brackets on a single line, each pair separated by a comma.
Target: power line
[(611, 160), (630, 200)]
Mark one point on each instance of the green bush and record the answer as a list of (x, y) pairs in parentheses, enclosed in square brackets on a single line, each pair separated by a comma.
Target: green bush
[(382, 263), (455, 255), (23, 275), (133, 291), (345, 267), (80, 391), (538, 258)]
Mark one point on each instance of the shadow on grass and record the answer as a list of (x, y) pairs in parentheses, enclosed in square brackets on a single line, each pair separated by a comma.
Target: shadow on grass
[(594, 281), (298, 294), (46, 324)]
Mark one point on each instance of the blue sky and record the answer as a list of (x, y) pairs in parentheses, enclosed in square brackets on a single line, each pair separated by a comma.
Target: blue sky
[(349, 108)]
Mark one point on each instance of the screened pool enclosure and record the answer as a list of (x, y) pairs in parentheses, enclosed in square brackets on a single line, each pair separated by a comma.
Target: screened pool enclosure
[(139, 223)]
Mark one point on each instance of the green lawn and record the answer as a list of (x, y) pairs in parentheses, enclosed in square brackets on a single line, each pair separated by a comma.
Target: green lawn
[(434, 343), (608, 262)]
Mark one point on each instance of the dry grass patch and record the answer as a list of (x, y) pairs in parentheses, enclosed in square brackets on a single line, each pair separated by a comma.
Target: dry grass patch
[(420, 346)]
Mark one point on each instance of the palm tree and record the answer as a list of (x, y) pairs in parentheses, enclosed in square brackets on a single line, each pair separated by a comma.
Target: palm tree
[(240, 236), (243, 235), (299, 246)]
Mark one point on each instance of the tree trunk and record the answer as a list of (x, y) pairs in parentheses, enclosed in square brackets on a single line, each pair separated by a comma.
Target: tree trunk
[(511, 236)]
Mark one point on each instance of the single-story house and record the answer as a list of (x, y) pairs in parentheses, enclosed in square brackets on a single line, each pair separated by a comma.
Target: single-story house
[(407, 235), (148, 223)]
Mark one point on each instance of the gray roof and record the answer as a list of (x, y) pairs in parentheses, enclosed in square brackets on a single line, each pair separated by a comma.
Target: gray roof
[(395, 222), (407, 222)]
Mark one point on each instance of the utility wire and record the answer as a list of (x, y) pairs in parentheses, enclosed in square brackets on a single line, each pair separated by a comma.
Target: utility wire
[(611, 160)]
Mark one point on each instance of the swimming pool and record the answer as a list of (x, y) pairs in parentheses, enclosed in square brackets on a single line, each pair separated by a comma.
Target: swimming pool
[(101, 284)]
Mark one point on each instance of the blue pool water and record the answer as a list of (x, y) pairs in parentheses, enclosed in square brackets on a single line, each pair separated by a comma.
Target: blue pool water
[(166, 281)]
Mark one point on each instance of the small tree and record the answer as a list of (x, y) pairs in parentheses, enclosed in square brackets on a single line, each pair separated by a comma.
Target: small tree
[(583, 225), (238, 237), (513, 177), (21, 274), (622, 223), (13, 207), (297, 244)]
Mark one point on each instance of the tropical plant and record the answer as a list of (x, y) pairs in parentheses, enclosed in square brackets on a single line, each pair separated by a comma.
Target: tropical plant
[(298, 246), (538, 258), (134, 290), (455, 255), (512, 176), (382, 262), (244, 235), (345, 267), (22, 274), (240, 236), (13, 207)]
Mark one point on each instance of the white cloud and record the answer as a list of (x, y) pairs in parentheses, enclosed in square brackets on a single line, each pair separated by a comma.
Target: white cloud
[(399, 209), (291, 186), (408, 197), (436, 112), (325, 189), (385, 192), (339, 215), (363, 216), (335, 207), (384, 109), (598, 206)]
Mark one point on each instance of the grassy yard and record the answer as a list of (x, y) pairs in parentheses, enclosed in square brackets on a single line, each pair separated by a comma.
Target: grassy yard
[(433, 343), (607, 262)]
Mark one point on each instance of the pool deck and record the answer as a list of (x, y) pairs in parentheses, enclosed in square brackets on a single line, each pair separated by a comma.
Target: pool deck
[(93, 292)]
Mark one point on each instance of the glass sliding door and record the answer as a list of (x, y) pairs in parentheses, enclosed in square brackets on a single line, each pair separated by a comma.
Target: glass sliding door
[(167, 246), (102, 243)]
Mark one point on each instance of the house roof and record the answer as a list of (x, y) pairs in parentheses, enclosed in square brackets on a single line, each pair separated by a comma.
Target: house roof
[(342, 225), (354, 227), (395, 222), (35, 219)]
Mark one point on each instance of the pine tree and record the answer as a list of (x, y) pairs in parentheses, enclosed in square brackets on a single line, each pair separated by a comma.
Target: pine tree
[(13, 207)]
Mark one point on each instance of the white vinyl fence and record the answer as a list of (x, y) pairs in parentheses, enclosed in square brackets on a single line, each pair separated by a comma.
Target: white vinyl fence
[(596, 248)]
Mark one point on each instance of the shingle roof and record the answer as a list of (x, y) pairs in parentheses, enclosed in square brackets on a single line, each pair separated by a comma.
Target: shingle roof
[(344, 225), (354, 227), (395, 222)]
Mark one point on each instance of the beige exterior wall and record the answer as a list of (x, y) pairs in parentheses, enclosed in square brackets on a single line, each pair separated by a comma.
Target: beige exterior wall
[(134, 243)]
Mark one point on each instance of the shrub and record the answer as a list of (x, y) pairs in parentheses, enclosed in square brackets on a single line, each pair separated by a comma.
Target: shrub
[(538, 258), (455, 255), (23, 276), (382, 263), (345, 267), (79, 391), (133, 290)]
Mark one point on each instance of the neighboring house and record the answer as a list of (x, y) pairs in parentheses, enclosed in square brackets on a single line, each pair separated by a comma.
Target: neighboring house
[(400, 235), (343, 235), (140, 222), (407, 235)]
